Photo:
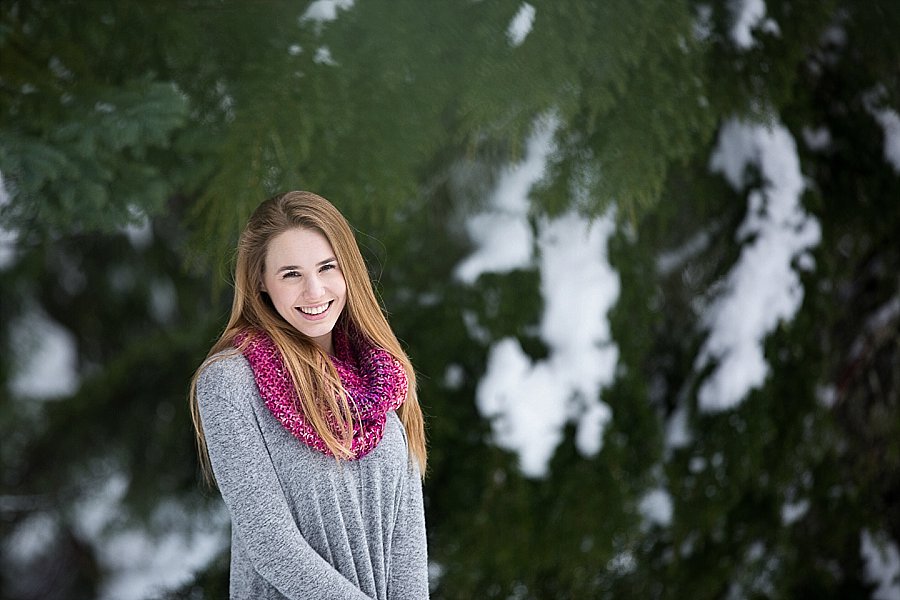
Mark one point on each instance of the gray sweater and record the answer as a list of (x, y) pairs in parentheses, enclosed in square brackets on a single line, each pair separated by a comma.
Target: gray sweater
[(303, 524)]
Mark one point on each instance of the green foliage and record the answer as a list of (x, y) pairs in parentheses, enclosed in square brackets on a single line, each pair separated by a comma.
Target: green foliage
[(78, 136), (191, 113)]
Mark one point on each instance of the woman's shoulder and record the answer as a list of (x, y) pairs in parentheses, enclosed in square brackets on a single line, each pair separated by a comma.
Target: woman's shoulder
[(393, 423), (224, 371), (393, 444)]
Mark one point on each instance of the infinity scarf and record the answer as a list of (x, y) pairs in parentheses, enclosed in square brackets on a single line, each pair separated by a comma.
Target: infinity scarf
[(374, 381)]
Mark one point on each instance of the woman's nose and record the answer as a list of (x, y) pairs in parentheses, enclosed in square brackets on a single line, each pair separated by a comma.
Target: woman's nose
[(314, 288)]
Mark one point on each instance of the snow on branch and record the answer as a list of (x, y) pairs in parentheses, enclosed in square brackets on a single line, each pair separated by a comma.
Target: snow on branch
[(762, 289), (530, 401)]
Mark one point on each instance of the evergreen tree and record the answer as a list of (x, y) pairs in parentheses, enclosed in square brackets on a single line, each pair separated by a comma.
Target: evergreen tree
[(136, 138)]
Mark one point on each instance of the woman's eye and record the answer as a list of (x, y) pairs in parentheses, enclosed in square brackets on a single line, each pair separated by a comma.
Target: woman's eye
[(328, 267), (289, 274)]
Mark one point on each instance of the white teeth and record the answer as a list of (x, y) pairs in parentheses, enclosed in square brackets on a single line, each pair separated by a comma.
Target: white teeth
[(315, 310)]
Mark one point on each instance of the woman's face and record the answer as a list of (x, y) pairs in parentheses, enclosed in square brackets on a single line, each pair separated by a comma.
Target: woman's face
[(305, 284)]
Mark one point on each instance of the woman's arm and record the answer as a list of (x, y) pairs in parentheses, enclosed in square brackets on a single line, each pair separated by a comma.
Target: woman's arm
[(253, 494), (408, 578)]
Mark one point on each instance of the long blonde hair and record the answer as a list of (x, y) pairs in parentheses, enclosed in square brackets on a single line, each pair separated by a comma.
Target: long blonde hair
[(316, 381)]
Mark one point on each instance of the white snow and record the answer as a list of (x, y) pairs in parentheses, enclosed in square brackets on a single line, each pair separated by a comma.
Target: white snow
[(669, 261), (703, 26), (622, 563), (762, 289), (886, 313), (163, 301), (749, 15), (890, 123), (656, 507), (756, 574), (522, 398), (94, 513), (31, 537), (594, 418), (454, 377), (520, 25), (475, 329), (697, 464), (528, 401), (8, 238), (579, 287), (139, 230), (435, 572), (678, 433), (818, 139), (502, 234), (889, 120), (826, 396), (882, 564), (141, 563), (791, 512), (323, 57), (45, 361), (323, 11)]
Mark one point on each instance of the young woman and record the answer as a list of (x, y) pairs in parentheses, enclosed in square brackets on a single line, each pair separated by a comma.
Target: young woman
[(307, 416)]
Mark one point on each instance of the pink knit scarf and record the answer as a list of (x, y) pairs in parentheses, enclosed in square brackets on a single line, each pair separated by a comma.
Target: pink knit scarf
[(374, 381)]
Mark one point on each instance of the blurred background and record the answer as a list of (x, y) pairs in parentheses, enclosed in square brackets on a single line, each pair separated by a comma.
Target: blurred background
[(643, 254)]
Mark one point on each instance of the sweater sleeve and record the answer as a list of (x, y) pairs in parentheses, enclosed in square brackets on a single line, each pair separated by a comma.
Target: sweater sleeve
[(408, 578), (254, 497)]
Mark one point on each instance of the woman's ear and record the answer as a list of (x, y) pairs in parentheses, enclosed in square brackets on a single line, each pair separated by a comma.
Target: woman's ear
[(262, 286)]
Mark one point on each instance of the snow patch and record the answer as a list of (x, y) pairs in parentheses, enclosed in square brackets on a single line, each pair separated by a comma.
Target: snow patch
[(703, 25), (522, 398), (591, 424), (762, 290), (139, 230), (890, 123), (520, 25), (8, 238), (474, 328), (323, 57), (529, 401), (656, 507), (622, 563), (502, 235), (668, 262), (163, 301), (454, 377), (30, 538), (579, 287), (45, 361), (791, 512), (818, 139), (882, 564), (140, 564), (323, 11), (826, 396), (435, 573), (678, 432), (697, 464), (749, 15)]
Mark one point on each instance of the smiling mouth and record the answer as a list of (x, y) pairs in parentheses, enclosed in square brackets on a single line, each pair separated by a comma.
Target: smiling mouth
[(314, 312)]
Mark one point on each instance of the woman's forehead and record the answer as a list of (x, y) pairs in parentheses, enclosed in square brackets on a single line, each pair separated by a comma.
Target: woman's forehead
[(304, 246)]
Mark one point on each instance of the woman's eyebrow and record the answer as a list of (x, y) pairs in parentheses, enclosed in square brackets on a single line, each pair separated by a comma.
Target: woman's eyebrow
[(296, 268)]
